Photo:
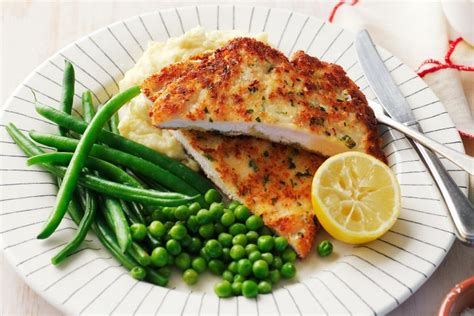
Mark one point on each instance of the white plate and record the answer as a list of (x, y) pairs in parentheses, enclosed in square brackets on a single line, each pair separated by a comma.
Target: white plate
[(368, 279)]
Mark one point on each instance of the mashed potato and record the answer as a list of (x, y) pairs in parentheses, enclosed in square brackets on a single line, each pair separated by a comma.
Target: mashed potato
[(135, 123)]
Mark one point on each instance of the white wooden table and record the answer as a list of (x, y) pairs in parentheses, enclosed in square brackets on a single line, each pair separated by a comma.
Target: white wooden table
[(32, 31)]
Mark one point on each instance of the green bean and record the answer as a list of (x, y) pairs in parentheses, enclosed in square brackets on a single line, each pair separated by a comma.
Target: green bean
[(73, 171), (132, 162), (133, 212), (113, 123), (199, 182), (88, 110), (67, 95), (139, 254), (117, 221), (84, 225)]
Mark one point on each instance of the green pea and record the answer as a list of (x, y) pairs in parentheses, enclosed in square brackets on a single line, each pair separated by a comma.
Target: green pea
[(204, 254), (250, 248), (203, 217), (168, 225), (206, 231), (277, 263), (195, 245), (227, 275), (260, 269), (219, 228), (216, 210), (244, 267), (242, 213), (288, 270), (199, 264), (226, 254), (170, 259), (288, 255), (216, 266), (173, 247), (254, 222), (232, 267), (169, 213), (223, 289), (186, 241), (237, 228), (156, 229), (178, 231), (252, 236), (212, 196), (158, 215), (254, 256), (192, 224), (190, 277), (138, 231), (239, 278), (232, 205), (182, 212), (237, 252), (227, 219), (237, 288), (240, 239), (183, 261), (265, 231), (159, 257), (268, 257), (194, 208), (274, 276), (138, 273), (264, 287), (324, 248), (225, 239), (165, 271), (213, 248), (280, 243), (249, 289), (265, 243)]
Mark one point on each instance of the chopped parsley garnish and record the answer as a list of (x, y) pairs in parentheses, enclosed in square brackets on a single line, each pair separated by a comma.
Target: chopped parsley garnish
[(274, 200), (306, 173), (291, 164), (258, 119), (266, 178), (265, 153), (206, 110), (322, 108), (249, 111), (316, 121), (211, 120), (348, 141), (253, 165), (252, 89), (209, 157)]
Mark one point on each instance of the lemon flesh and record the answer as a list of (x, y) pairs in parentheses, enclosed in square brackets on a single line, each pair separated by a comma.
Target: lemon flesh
[(356, 197)]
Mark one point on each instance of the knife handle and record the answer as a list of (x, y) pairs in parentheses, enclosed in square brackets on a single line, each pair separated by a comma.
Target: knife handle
[(461, 210)]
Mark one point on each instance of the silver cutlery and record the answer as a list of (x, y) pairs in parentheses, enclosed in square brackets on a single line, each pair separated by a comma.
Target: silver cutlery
[(393, 102)]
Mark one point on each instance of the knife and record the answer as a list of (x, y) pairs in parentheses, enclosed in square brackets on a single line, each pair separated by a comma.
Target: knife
[(395, 104)]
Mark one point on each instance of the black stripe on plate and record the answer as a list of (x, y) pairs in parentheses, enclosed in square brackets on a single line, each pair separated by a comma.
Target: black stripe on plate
[(143, 299), (371, 280), (121, 45), (343, 52), (388, 58), (298, 36), (409, 172), (360, 77), (397, 151), (180, 20), (55, 82), (379, 269), (417, 184), (102, 292), (419, 198), (432, 116), (314, 36), (99, 65), (274, 299), (162, 300), (266, 20), (30, 117), (133, 36), (401, 162), (256, 306), (407, 80), (419, 240), (145, 27), (393, 259), (293, 299), (392, 141), (40, 92), (21, 226), (186, 302), (352, 66), (202, 299), (41, 253), (429, 226), (332, 43), (34, 238), (24, 170), (87, 73), (124, 296), (424, 212), (407, 251), (233, 17), (352, 290), (396, 67), (26, 197), (284, 29), (314, 297), (237, 303), (164, 25), (251, 18), (199, 16), (89, 281), (25, 183), (218, 13), (332, 293), (106, 55), (13, 156), (416, 92)]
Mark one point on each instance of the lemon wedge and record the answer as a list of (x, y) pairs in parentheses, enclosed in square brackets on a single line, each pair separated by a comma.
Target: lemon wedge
[(356, 197)]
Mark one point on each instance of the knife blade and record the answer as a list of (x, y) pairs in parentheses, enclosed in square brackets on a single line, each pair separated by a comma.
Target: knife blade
[(395, 104)]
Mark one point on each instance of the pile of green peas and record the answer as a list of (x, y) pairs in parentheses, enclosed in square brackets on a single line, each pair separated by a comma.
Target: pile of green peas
[(227, 241)]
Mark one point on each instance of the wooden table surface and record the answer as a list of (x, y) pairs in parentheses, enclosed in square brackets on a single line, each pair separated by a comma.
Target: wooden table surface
[(32, 31)]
